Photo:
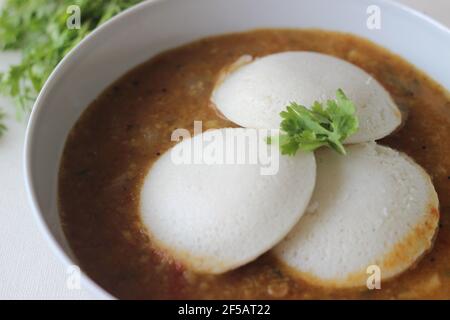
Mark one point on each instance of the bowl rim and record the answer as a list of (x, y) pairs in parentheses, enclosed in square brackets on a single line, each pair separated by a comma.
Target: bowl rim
[(33, 121), (87, 283)]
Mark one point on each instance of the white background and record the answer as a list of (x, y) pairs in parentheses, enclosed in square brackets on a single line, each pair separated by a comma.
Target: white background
[(28, 269)]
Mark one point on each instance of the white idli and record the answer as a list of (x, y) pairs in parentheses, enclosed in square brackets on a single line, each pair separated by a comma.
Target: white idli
[(216, 217), (374, 206), (252, 95)]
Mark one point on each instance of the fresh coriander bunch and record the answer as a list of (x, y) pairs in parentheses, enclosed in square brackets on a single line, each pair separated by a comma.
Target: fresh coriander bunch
[(38, 28), (325, 124)]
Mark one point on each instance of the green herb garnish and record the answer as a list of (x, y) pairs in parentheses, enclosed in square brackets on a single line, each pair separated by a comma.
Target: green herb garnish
[(2, 126), (327, 124), (38, 28)]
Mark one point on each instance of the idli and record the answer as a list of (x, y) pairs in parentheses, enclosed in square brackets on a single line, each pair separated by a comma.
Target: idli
[(213, 217), (252, 94), (375, 206)]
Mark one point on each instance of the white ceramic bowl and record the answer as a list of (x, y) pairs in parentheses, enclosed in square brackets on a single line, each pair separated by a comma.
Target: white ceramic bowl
[(153, 26)]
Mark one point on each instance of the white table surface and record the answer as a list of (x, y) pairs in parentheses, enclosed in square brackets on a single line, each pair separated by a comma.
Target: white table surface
[(28, 269)]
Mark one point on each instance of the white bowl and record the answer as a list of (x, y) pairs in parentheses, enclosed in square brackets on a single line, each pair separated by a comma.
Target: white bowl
[(153, 26)]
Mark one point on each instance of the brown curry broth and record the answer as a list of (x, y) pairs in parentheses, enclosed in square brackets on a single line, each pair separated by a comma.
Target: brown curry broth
[(124, 131)]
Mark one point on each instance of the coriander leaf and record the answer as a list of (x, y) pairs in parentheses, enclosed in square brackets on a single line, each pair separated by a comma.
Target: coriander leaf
[(2, 126), (38, 28), (325, 124)]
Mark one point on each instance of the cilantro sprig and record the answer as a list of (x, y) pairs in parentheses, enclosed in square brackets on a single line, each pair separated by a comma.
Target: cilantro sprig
[(38, 28), (2, 126), (324, 124)]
